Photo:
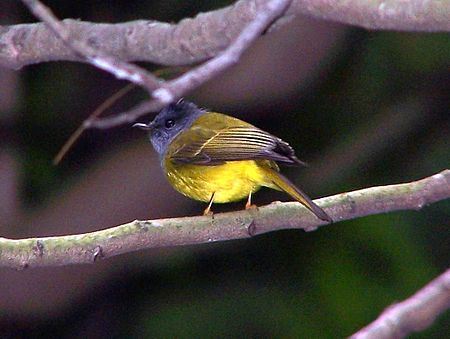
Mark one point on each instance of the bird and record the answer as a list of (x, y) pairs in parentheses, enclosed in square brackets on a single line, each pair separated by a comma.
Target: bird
[(216, 158)]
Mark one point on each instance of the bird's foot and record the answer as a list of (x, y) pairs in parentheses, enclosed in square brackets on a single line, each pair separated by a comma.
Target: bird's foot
[(250, 206), (208, 212)]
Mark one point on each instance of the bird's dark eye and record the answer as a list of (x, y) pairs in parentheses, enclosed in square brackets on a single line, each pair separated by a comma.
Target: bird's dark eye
[(170, 123)]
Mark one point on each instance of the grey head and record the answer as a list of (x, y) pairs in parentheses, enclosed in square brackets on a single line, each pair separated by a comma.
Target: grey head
[(169, 122)]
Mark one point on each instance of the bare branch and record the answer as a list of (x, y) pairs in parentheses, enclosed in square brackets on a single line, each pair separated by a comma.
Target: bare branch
[(413, 314), (121, 69), (99, 110), (230, 56), (126, 117), (398, 15), (162, 93), (172, 44), (176, 88), (137, 235)]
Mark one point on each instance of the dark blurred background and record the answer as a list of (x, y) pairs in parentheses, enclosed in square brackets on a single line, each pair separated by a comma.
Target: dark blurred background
[(362, 108)]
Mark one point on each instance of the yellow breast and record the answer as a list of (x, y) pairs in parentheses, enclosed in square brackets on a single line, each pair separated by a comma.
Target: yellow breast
[(231, 181)]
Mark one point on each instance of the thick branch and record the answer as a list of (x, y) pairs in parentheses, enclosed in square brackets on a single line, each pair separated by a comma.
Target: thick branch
[(176, 44), (136, 235), (121, 69), (230, 56), (176, 88), (398, 15), (162, 93), (413, 314)]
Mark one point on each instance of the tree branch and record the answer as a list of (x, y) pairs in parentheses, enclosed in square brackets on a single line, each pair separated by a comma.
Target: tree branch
[(175, 44), (121, 69), (137, 235), (413, 314), (398, 15), (171, 90), (162, 93), (266, 15)]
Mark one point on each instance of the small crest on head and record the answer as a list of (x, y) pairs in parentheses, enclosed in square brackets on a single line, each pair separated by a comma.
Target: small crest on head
[(180, 108), (171, 121)]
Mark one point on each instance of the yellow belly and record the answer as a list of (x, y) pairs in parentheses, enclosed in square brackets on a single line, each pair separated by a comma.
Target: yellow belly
[(231, 181)]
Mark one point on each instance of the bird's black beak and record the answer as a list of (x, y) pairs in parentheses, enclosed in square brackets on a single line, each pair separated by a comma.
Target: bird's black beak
[(144, 126)]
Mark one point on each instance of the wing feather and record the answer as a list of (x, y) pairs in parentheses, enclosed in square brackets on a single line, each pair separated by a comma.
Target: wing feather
[(222, 138)]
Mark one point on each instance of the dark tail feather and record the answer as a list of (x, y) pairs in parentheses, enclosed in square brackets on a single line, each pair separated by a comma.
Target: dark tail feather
[(285, 185)]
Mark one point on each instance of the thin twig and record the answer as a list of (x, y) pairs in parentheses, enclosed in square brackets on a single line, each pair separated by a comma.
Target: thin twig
[(162, 93), (176, 88), (99, 110), (137, 111), (137, 235), (120, 69), (413, 314), (125, 117)]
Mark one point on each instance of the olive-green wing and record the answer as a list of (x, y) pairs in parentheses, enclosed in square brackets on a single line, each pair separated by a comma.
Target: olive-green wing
[(215, 138)]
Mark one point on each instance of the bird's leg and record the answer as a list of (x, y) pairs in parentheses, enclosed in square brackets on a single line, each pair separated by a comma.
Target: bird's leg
[(249, 202), (207, 210)]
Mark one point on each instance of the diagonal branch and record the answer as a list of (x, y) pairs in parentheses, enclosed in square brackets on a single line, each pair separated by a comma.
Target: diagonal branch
[(121, 69), (266, 15), (137, 235), (178, 87), (413, 314), (162, 93)]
